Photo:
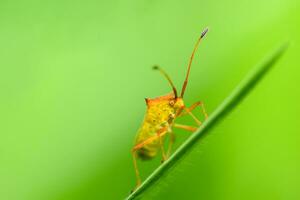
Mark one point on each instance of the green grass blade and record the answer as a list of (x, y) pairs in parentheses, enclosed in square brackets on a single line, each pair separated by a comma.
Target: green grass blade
[(225, 108)]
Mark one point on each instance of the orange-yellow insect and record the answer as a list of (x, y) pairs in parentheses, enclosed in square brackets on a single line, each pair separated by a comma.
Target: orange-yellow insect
[(159, 120)]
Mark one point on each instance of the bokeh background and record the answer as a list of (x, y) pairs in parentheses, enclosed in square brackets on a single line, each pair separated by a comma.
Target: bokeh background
[(73, 75)]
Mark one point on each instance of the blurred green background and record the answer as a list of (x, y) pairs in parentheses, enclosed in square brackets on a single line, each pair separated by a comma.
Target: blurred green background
[(73, 75)]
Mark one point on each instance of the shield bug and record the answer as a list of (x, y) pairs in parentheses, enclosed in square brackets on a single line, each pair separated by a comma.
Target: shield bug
[(159, 120)]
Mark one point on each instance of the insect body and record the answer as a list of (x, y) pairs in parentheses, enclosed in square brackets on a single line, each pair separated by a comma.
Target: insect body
[(160, 118), (160, 115)]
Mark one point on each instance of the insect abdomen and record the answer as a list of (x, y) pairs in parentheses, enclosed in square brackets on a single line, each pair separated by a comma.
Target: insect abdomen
[(155, 122), (150, 149)]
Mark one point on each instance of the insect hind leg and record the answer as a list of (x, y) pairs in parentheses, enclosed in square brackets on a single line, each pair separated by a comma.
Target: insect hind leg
[(138, 146), (137, 173)]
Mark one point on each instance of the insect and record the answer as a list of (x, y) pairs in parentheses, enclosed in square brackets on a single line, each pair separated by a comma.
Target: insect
[(159, 120)]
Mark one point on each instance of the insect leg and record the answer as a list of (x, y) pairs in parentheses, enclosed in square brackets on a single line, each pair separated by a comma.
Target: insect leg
[(203, 110), (158, 135), (172, 136), (198, 103), (171, 142), (193, 116), (164, 157), (190, 109), (137, 173), (185, 127)]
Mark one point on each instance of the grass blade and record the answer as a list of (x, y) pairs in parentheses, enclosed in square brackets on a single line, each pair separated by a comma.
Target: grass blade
[(226, 106)]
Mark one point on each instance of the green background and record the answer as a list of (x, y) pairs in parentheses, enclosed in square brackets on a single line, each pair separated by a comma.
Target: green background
[(73, 75)]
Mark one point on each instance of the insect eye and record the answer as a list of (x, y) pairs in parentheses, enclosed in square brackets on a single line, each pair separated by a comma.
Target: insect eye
[(172, 102)]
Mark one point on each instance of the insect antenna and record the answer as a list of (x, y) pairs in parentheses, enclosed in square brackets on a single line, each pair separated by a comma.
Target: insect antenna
[(167, 77), (190, 62)]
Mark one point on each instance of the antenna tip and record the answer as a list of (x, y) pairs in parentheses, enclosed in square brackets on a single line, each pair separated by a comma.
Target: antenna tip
[(204, 32)]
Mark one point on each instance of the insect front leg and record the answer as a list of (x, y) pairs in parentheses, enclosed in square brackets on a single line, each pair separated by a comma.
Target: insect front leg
[(193, 116), (164, 156), (172, 135), (191, 108), (137, 173), (201, 104)]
